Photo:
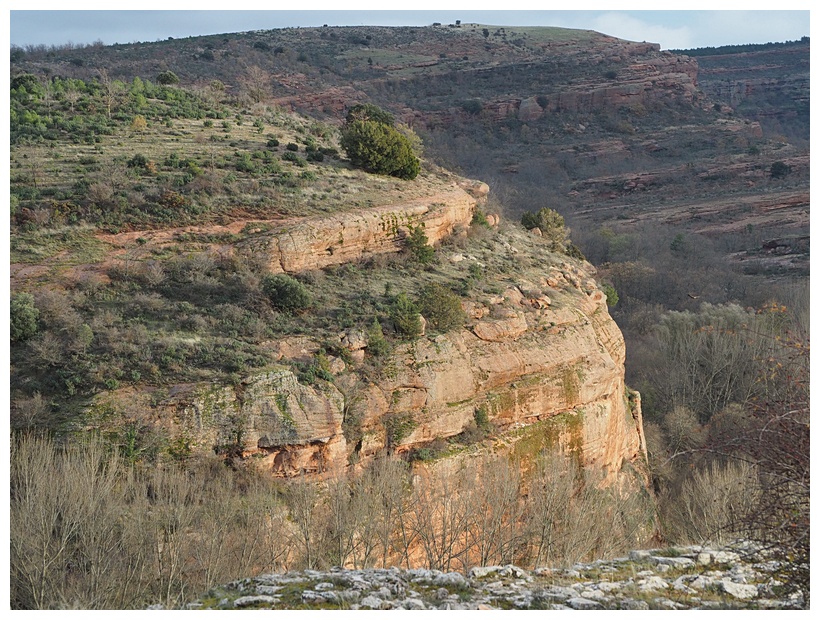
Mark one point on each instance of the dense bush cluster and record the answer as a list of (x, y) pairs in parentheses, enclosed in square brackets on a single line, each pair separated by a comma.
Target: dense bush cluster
[(24, 315), (375, 145), (286, 293), (441, 307), (551, 224)]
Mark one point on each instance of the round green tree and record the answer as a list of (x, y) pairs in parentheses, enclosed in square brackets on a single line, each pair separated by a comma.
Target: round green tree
[(375, 145), (166, 78), (286, 294), (441, 307), (24, 315)]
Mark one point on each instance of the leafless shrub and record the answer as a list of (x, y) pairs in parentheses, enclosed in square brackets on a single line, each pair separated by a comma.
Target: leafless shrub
[(28, 413), (46, 349), (153, 274), (440, 519), (682, 429), (100, 194), (715, 500)]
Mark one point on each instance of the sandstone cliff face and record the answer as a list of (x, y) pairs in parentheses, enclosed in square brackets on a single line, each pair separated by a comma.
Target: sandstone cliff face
[(542, 358), (317, 242)]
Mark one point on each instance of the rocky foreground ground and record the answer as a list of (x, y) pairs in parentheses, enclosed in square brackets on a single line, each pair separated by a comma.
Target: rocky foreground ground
[(691, 577)]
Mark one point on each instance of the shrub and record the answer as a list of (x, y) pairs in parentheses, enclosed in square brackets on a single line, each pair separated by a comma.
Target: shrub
[(373, 144), (137, 161), (292, 146), (398, 427), (139, 123), (369, 112), (418, 246), (472, 106), (611, 294), (405, 317), (480, 219), (24, 316), (293, 157), (173, 200), (286, 294), (481, 417), (551, 224), (377, 345), (441, 307), (167, 78), (779, 170)]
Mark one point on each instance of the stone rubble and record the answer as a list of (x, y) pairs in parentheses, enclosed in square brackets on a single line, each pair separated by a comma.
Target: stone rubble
[(691, 577)]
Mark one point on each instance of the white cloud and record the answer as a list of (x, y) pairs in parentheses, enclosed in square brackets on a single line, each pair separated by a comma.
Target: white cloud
[(632, 28)]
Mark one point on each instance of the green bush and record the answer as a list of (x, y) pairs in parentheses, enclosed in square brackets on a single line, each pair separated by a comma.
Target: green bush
[(550, 223), (137, 161), (24, 316), (377, 345), (167, 77), (398, 427), (373, 144), (404, 314), (369, 112), (417, 244), (611, 294), (286, 294), (480, 219), (472, 106), (779, 170), (441, 307)]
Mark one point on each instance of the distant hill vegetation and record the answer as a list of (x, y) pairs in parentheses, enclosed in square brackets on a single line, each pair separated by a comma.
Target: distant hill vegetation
[(739, 49)]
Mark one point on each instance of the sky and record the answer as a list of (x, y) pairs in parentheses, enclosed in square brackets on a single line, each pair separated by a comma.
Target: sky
[(671, 29)]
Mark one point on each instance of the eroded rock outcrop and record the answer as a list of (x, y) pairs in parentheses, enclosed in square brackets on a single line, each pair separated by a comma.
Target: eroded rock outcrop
[(694, 577), (542, 359), (316, 242)]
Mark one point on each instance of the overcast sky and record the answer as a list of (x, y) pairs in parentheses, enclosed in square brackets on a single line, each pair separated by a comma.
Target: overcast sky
[(672, 29)]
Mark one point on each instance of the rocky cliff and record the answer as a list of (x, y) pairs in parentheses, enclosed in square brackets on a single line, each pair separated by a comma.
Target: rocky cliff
[(539, 355), (318, 242)]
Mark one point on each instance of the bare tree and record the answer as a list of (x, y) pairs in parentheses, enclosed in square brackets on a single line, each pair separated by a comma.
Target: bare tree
[(380, 497), (112, 90), (495, 533), (172, 506), (441, 518), (552, 487), (715, 500), (341, 521), (257, 83), (302, 499)]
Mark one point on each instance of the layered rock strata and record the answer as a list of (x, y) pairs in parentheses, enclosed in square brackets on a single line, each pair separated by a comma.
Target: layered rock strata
[(542, 359), (317, 242)]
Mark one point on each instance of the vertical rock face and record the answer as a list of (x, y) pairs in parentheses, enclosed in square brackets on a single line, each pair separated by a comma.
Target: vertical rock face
[(544, 361), (539, 357)]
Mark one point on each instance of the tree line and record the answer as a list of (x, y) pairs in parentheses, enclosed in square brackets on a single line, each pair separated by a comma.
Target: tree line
[(92, 530)]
